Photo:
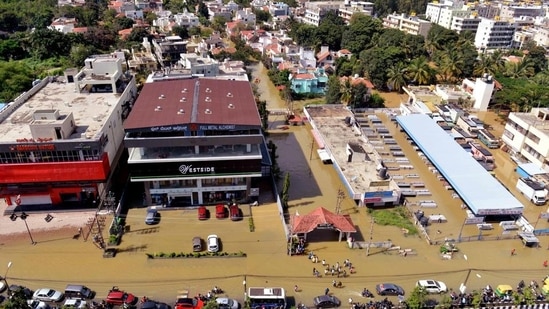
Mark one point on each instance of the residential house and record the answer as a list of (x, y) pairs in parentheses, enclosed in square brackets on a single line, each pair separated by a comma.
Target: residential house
[(356, 80), (325, 58), (199, 65), (63, 24), (245, 16), (305, 81), (153, 5), (279, 9), (186, 19), (315, 11), (121, 6), (134, 14), (351, 7)]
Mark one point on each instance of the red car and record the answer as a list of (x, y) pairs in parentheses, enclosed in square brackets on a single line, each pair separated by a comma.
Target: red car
[(234, 212), (188, 303), (203, 213), (119, 298), (220, 211)]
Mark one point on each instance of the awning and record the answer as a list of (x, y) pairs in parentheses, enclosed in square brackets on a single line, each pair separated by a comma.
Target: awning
[(318, 139)]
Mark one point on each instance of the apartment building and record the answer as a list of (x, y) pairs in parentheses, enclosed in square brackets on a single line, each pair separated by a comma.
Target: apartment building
[(61, 141), (507, 12), (315, 11), (168, 50), (468, 23), (494, 34), (349, 8), (409, 24), (527, 134)]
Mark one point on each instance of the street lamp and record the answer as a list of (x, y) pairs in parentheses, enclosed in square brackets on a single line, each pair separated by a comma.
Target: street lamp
[(5, 278), (23, 216)]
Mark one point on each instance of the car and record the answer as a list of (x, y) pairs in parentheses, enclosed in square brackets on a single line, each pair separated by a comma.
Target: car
[(151, 304), (432, 286), (118, 298), (3, 286), (234, 212), (75, 303), (389, 289), (46, 294), (152, 217), (326, 301), (185, 302), (197, 244), (220, 212), (227, 303), (25, 292), (203, 213), (36, 304), (213, 243)]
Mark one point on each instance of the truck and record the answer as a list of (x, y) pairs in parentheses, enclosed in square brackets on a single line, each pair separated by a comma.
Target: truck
[(533, 190)]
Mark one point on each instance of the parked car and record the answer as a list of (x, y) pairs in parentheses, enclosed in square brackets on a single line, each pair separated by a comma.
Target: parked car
[(220, 211), (389, 289), (213, 243), (197, 244), (78, 291), (36, 304), (118, 298), (235, 213), (185, 302), (227, 303), (75, 303), (203, 213), (151, 304), (3, 286), (432, 286), (152, 217), (25, 292), (326, 301), (46, 294)]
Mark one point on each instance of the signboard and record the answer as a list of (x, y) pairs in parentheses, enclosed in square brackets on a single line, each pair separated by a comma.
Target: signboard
[(33, 147), (474, 220), (189, 169), (488, 212), (195, 127), (325, 226)]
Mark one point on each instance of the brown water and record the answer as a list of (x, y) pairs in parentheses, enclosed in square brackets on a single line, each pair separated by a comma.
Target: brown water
[(58, 259)]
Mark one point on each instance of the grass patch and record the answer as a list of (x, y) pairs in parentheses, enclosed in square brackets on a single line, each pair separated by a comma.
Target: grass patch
[(396, 217)]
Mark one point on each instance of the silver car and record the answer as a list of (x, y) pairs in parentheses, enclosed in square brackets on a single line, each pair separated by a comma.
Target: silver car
[(47, 295)]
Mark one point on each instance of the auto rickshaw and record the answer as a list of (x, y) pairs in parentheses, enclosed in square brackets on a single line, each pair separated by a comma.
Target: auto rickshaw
[(503, 290)]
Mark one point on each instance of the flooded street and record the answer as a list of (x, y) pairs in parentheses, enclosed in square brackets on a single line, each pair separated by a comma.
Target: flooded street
[(58, 259)]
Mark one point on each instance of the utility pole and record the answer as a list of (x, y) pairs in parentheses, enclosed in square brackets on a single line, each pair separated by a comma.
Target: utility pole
[(371, 236), (340, 197)]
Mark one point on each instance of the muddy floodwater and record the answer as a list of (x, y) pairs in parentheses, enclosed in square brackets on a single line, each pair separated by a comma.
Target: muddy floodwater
[(58, 259)]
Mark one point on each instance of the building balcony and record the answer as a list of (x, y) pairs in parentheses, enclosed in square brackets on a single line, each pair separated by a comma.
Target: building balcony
[(190, 153)]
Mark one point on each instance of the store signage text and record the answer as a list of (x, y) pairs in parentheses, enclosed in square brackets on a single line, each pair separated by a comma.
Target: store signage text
[(189, 169), (169, 129), (217, 127), (33, 147)]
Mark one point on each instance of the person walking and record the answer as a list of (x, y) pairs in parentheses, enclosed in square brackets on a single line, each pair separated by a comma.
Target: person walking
[(323, 262), (296, 288), (326, 291), (512, 252)]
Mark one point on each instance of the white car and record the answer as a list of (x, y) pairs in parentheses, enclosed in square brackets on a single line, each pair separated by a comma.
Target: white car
[(432, 286), (47, 295), (3, 286), (227, 303), (36, 304), (213, 243), (75, 303)]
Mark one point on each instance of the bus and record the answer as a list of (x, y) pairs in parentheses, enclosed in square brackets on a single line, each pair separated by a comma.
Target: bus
[(488, 139), (267, 298)]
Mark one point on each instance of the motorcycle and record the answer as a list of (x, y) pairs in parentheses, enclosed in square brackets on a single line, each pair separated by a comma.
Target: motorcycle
[(367, 293), (216, 290), (337, 284)]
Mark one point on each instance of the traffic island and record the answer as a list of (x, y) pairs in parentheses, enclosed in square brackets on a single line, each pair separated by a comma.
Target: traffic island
[(182, 255)]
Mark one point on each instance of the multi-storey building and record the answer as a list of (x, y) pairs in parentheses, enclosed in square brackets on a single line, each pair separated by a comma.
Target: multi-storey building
[(494, 34), (541, 36), (315, 11), (488, 10), (245, 16), (196, 141), (61, 141), (507, 12), (409, 24), (468, 23), (279, 9), (169, 49), (349, 8), (527, 134), (186, 19)]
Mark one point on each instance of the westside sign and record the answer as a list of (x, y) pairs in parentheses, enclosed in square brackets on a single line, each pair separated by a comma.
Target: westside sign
[(189, 169)]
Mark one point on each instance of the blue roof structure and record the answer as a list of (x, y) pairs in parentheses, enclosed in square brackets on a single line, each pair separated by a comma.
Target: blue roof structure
[(482, 193)]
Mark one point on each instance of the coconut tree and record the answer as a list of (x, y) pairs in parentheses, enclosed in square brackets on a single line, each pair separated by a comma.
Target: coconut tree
[(497, 59), (420, 71), (396, 76), (451, 64), (484, 64), (523, 68), (346, 91)]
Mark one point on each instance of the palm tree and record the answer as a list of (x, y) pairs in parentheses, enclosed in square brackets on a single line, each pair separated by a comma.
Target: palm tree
[(499, 62), (420, 71), (346, 91), (432, 43), (396, 77), (523, 68), (451, 65), (484, 64)]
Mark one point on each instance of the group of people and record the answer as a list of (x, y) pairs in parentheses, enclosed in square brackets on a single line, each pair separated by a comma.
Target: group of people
[(333, 270)]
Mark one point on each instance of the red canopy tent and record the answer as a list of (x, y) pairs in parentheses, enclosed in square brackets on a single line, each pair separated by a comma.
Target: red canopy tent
[(322, 218)]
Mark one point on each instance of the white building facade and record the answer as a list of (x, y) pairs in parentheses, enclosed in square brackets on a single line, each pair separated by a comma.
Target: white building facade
[(494, 34)]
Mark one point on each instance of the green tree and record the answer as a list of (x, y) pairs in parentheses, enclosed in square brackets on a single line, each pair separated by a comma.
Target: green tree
[(333, 92), (420, 72), (263, 114), (360, 96), (285, 194), (523, 68), (346, 90), (275, 169), (417, 298), (358, 35), (451, 65), (262, 15), (46, 43), (218, 23), (79, 53), (203, 10), (12, 49), (330, 30), (183, 32), (17, 301), (397, 77), (536, 55)]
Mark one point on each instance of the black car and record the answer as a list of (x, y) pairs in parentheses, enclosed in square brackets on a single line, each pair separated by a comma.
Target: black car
[(153, 217), (389, 289), (151, 304), (326, 301)]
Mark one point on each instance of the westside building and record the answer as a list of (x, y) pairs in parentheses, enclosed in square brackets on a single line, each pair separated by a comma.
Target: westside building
[(61, 141), (196, 141)]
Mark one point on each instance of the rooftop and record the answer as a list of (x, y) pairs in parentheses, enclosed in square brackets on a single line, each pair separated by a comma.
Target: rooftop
[(361, 173), (538, 118), (90, 110), (194, 100)]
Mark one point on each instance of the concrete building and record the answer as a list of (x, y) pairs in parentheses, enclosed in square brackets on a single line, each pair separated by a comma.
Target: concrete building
[(202, 146), (481, 90), (279, 9), (199, 65), (488, 10), (541, 36), (168, 50), (245, 16), (494, 34), (315, 11), (350, 7), (466, 23), (409, 24), (307, 81), (61, 141), (527, 135), (186, 19), (63, 24), (514, 11)]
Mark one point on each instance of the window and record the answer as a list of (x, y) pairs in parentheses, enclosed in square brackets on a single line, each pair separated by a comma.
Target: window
[(508, 134)]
